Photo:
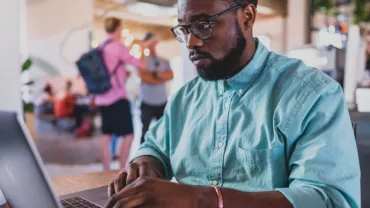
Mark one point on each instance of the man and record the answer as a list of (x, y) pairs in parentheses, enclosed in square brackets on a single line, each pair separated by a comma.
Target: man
[(367, 39), (114, 105), (153, 89), (365, 79), (262, 129)]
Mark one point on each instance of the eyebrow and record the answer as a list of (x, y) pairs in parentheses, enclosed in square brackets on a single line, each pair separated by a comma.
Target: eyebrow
[(201, 16)]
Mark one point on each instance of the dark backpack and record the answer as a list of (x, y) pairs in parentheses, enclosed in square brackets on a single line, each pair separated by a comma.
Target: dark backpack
[(94, 71)]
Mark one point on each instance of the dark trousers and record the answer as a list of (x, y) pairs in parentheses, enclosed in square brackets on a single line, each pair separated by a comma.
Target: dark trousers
[(78, 113), (148, 113)]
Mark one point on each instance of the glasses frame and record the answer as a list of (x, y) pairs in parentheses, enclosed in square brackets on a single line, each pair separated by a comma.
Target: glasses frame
[(188, 29)]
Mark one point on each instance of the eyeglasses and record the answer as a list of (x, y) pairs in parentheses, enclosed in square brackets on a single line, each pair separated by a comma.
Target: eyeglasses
[(201, 29)]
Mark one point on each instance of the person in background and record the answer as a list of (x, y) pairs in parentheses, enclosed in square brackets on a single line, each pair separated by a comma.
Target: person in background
[(255, 129), (365, 80), (45, 104), (114, 105), (153, 89), (68, 106), (367, 39), (64, 106)]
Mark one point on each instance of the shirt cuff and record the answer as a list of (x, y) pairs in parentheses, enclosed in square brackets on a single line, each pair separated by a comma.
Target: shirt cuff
[(147, 151), (303, 197)]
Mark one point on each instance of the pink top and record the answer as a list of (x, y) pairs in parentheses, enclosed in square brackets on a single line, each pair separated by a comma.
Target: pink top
[(112, 53)]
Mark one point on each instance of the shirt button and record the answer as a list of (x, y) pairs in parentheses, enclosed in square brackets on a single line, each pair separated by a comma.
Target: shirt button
[(227, 104), (214, 183), (241, 91), (220, 144)]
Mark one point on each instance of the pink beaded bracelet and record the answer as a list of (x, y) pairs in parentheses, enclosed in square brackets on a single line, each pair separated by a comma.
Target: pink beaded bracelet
[(219, 197)]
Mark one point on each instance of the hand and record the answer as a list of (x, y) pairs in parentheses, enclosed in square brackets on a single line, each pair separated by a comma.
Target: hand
[(154, 193), (142, 167)]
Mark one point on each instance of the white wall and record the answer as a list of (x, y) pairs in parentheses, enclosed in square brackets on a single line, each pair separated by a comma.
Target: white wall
[(10, 64), (297, 24), (274, 29), (58, 32)]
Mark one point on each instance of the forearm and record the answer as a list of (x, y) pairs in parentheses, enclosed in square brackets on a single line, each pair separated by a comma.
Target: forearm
[(4, 206), (148, 78), (165, 76), (153, 163), (236, 199)]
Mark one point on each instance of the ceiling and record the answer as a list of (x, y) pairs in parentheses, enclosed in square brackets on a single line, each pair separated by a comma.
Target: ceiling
[(277, 6), (161, 2)]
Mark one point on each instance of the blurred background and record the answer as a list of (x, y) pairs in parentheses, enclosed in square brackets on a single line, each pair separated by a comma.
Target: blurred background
[(44, 38)]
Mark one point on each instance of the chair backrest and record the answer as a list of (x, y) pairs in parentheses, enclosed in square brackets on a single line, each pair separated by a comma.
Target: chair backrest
[(354, 127)]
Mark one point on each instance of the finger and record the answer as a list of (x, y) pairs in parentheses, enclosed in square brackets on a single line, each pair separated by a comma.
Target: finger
[(158, 174), (132, 173), (120, 181), (111, 201), (111, 190), (144, 170), (133, 201)]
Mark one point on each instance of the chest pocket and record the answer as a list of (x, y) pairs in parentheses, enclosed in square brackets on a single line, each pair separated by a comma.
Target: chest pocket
[(261, 170)]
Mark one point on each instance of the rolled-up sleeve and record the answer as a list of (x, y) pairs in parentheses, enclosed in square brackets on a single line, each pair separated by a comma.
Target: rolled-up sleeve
[(323, 160), (157, 144)]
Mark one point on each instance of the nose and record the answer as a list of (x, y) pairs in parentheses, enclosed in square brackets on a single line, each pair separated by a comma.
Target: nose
[(193, 42)]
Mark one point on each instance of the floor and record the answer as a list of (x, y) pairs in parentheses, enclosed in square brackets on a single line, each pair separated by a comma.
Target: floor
[(67, 156), (63, 155), (363, 145)]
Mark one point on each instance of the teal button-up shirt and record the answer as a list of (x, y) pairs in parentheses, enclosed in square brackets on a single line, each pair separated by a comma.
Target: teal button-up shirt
[(276, 125)]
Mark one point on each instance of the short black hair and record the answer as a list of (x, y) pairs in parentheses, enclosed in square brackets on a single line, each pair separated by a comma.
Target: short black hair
[(148, 36), (237, 2), (48, 89)]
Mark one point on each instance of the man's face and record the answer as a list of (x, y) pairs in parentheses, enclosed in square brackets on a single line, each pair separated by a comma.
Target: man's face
[(368, 44), (217, 57)]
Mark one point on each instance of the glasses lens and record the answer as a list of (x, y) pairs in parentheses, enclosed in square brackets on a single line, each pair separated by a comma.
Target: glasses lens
[(201, 29), (180, 33)]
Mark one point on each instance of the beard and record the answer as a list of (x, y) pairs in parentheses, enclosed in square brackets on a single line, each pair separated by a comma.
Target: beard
[(229, 65)]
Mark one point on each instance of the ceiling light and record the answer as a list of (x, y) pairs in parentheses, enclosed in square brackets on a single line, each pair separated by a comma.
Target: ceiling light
[(94, 44), (125, 32), (264, 10), (128, 41), (146, 52), (152, 10)]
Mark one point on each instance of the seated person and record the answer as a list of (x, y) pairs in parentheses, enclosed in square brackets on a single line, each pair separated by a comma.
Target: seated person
[(366, 76), (255, 129), (64, 107), (67, 107), (45, 104)]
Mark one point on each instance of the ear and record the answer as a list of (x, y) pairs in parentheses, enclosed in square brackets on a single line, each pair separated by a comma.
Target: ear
[(249, 16)]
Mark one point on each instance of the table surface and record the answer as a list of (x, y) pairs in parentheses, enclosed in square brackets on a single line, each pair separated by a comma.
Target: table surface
[(70, 184)]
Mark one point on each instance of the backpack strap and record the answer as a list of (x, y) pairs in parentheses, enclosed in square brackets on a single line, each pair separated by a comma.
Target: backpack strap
[(120, 63), (105, 43)]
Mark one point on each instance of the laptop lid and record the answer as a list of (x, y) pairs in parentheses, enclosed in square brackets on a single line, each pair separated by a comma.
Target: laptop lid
[(23, 179)]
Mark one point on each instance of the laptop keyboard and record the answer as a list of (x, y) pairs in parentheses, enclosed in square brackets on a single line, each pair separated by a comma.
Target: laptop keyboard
[(78, 202)]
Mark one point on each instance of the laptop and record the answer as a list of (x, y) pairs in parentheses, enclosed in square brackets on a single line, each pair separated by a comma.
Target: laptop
[(23, 179)]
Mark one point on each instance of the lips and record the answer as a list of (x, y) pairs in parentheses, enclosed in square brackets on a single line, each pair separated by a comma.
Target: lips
[(197, 57)]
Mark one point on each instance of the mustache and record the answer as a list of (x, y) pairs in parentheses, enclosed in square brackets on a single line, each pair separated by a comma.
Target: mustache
[(200, 53)]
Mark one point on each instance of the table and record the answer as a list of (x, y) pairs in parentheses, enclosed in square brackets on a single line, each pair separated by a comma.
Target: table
[(70, 184)]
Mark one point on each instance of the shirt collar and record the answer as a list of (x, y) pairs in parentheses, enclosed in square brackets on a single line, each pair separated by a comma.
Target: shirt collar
[(110, 36), (241, 81)]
